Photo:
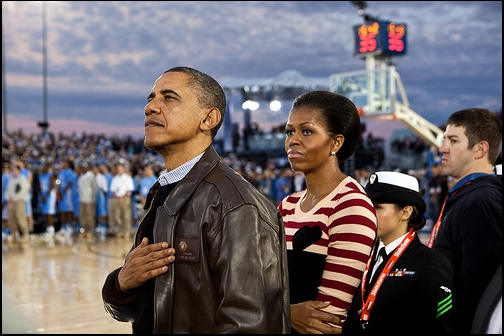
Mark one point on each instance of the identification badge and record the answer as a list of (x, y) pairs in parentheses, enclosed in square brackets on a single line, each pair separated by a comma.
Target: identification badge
[(187, 249)]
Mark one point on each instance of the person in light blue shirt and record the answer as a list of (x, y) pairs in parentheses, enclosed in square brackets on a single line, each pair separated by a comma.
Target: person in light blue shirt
[(47, 199), (101, 201), (25, 171), (146, 183), (66, 179), (75, 225), (106, 171)]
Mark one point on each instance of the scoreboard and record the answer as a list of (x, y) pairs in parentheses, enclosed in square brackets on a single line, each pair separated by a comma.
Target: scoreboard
[(380, 38)]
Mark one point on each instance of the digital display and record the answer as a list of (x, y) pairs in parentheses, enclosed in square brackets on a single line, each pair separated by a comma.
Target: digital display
[(380, 38)]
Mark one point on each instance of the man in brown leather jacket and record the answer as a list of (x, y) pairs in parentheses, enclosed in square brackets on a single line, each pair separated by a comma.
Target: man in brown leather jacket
[(209, 256)]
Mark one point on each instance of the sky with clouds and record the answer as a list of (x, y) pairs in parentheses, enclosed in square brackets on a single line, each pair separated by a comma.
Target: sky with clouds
[(104, 56)]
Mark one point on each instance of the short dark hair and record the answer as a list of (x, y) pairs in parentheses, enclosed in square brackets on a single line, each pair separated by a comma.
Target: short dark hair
[(340, 115), (210, 93), (417, 220), (480, 125)]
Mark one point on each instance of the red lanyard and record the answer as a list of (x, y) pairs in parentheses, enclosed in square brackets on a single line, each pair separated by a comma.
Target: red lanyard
[(366, 306), (435, 229)]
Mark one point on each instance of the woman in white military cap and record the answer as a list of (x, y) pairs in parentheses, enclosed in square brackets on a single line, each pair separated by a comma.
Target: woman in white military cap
[(406, 287)]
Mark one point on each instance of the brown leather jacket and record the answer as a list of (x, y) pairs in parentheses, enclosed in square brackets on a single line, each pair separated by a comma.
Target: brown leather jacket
[(232, 276)]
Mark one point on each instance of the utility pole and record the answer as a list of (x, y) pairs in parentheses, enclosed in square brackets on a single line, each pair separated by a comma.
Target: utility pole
[(44, 124), (4, 87)]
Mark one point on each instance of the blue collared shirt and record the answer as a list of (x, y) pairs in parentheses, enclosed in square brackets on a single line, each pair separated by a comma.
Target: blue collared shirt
[(178, 173), (463, 181)]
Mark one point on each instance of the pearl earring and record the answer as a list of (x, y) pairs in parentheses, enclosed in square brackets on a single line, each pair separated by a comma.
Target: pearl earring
[(333, 153)]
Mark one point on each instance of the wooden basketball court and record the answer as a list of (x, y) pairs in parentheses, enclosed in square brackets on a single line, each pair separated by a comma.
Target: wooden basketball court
[(57, 290)]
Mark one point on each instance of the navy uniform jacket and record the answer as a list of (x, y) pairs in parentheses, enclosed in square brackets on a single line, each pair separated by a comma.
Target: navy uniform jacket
[(409, 303)]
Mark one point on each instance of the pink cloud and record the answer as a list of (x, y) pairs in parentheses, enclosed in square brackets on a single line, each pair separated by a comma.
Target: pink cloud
[(379, 128)]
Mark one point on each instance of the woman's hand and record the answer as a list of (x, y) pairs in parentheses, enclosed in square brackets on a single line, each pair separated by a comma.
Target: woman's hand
[(308, 318)]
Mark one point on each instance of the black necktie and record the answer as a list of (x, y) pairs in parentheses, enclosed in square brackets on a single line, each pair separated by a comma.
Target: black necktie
[(373, 278), (383, 253), (384, 257)]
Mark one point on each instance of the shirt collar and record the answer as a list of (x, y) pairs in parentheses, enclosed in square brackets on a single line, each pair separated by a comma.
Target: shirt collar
[(178, 173), (392, 246), (464, 180)]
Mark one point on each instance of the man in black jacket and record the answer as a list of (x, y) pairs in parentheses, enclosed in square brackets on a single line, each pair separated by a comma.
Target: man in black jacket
[(210, 253), (470, 233)]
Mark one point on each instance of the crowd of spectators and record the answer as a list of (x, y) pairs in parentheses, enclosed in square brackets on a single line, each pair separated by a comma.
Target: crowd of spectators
[(271, 177), (39, 151)]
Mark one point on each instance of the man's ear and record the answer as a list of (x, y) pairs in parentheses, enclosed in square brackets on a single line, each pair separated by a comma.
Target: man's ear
[(211, 120), (481, 149)]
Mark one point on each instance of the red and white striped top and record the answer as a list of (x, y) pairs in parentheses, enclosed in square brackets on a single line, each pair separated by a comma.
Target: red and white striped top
[(347, 219)]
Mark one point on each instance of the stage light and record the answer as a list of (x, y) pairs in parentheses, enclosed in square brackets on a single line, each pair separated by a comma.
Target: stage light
[(275, 105), (250, 105)]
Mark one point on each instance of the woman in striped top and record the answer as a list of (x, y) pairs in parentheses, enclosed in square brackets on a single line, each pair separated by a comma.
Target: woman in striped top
[(331, 225)]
